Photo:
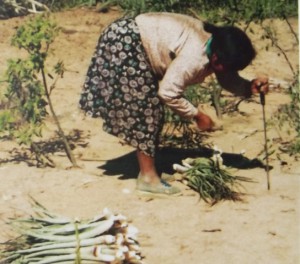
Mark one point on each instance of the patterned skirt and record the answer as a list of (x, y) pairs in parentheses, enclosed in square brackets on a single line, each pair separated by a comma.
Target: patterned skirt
[(121, 88)]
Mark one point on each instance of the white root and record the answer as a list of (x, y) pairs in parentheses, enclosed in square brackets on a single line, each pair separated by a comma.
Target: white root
[(186, 164), (180, 168), (131, 231), (104, 253)]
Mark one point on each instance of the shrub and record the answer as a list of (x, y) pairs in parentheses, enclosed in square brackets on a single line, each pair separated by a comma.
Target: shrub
[(28, 95)]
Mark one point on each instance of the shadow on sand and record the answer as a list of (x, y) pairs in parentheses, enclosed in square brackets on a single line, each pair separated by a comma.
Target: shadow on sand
[(127, 165)]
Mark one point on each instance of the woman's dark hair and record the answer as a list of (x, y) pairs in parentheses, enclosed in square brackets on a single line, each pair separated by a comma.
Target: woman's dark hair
[(231, 45)]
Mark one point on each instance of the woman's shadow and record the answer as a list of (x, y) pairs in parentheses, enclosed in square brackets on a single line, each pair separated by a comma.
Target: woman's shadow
[(126, 166)]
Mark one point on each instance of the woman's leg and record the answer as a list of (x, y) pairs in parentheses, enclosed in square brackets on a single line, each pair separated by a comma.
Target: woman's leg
[(149, 181), (148, 173)]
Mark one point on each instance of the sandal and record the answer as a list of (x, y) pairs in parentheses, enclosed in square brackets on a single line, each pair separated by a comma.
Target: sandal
[(163, 188)]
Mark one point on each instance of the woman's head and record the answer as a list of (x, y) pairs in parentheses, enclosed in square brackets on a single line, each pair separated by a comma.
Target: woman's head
[(230, 47)]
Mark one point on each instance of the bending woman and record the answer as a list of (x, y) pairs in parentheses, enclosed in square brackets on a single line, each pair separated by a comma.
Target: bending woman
[(142, 63)]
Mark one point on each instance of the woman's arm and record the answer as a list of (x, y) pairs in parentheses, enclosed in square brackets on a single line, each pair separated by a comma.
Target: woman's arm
[(234, 83), (172, 86), (171, 89)]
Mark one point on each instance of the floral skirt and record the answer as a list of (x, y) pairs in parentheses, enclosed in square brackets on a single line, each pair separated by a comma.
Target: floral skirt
[(121, 88)]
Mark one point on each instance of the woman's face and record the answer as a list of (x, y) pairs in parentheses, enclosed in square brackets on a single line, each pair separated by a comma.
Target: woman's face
[(216, 66)]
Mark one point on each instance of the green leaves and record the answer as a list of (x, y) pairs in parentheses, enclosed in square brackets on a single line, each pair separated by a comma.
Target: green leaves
[(289, 114), (212, 182), (26, 132), (24, 104), (36, 35), (25, 91)]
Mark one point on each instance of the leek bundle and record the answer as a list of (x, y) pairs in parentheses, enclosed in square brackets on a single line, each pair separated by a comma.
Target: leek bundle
[(211, 179), (47, 238)]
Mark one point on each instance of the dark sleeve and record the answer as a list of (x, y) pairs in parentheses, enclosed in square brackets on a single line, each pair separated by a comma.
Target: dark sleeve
[(234, 83)]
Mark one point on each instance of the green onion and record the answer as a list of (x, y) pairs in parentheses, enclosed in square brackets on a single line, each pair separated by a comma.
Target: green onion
[(211, 179), (47, 238)]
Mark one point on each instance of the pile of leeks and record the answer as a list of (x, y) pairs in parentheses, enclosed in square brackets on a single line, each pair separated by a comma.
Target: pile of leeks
[(47, 238)]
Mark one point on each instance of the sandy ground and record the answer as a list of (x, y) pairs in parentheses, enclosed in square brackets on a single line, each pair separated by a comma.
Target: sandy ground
[(264, 228)]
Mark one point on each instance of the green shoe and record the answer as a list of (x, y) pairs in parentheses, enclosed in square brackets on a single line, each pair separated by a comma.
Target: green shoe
[(162, 189)]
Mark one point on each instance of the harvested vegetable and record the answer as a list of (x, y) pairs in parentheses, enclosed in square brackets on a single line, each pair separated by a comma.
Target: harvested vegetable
[(211, 179), (47, 238)]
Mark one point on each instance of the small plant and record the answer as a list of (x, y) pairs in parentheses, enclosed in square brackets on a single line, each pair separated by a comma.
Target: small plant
[(27, 97), (289, 114), (270, 33)]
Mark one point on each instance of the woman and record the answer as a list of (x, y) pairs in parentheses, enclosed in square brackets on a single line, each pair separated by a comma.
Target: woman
[(144, 62)]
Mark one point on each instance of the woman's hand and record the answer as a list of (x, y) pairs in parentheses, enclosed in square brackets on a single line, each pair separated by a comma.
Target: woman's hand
[(204, 122), (260, 85)]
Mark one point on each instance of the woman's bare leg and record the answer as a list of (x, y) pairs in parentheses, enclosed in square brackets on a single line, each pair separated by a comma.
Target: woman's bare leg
[(148, 171), (149, 181)]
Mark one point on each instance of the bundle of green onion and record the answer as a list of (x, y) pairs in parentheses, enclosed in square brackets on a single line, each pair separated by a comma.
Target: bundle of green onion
[(210, 178), (47, 238)]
